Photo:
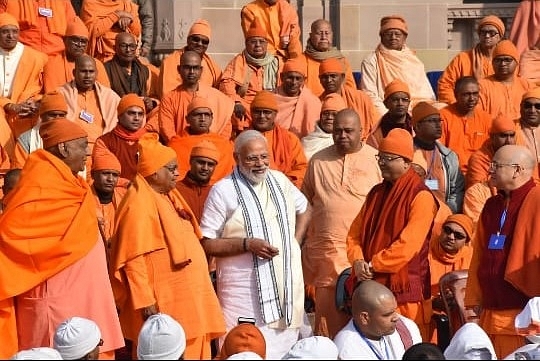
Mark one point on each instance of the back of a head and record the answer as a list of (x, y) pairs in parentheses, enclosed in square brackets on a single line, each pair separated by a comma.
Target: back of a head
[(76, 337), (470, 342), (244, 337), (423, 351), (37, 353), (161, 338), (313, 348)]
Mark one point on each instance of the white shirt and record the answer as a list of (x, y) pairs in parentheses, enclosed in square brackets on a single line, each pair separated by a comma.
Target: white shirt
[(9, 60)]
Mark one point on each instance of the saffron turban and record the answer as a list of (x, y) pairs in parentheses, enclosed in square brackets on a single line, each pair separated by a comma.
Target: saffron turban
[(77, 28), (161, 338), (198, 102), (60, 130), (534, 93), (205, 149), (52, 101), (8, 19), (333, 101), (313, 348), (152, 154), (256, 30), (264, 100), (398, 142), (104, 159), (331, 65), (464, 221), (76, 337), (393, 22), (421, 111), (395, 86), (505, 47), (244, 337), (294, 65), (502, 124), (492, 20), (200, 27), (129, 100)]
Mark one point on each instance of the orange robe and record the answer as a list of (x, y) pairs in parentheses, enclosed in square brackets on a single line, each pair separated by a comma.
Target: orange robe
[(183, 145), (173, 111), (478, 166), (59, 71), (475, 198), (529, 67), (312, 68), (463, 134), (49, 239), (42, 33), (278, 21), (298, 114), (500, 98), (286, 154), (169, 78), (158, 260), (100, 18), (525, 32), (462, 65), (194, 194)]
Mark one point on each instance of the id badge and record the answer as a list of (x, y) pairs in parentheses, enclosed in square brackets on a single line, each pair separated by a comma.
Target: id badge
[(87, 117), (496, 241), (432, 184), (45, 12)]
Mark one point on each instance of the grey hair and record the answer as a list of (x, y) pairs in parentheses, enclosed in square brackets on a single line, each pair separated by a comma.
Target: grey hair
[(246, 136)]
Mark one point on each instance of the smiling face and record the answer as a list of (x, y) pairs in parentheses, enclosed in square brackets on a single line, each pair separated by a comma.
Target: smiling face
[(292, 83), (253, 160), (126, 47), (202, 169), (530, 111), (74, 153), (164, 180), (9, 36)]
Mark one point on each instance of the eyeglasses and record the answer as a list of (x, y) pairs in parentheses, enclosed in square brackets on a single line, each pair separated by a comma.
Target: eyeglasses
[(386, 159), (485, 33), (128, 46), (253, 159), (500, 60), (528, 105), (457, 235), (495, 165), (198, 39)]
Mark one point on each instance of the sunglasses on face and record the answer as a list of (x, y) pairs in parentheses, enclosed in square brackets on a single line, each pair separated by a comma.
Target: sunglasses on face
[(198, 39), (457, 235), (528, 105)]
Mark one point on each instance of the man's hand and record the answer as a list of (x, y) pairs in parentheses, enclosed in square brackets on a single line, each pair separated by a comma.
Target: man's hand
[(261, 248), (239, 110), (362, 270)]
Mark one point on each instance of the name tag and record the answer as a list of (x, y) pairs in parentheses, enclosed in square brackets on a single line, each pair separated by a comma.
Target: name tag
[(45, 12), (496, 241), (87, 117), (432, 184)]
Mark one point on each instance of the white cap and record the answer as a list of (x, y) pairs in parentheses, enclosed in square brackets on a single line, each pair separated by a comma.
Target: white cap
[(469, 340), (313, 348), (245, 355), (527, 321), (76, 337), (161, 338), (37, 353)]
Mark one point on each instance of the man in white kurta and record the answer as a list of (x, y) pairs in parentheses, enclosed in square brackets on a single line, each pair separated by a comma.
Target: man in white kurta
[(250, 221)]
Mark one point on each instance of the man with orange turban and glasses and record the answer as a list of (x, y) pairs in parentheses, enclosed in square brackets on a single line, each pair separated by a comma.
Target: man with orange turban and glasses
[(475, 62), (158, 263), (50, 241), (529, 122), (388, 241)]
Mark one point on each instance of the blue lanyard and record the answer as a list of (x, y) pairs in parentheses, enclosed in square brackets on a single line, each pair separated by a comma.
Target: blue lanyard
[(373, 349), (502, 220)]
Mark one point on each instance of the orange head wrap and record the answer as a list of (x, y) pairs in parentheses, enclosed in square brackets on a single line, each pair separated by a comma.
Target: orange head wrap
[(77, 28), (152, 154), (501, 124), (200, 27), (395, 86), (492, 20), (244, 337), (198, 102), (52, 101), (464, 221), (256, 30), (505, 47), (8, 19), (104, 159), (393, 22), (331, 65), (422, 110), (129, 100), (264, 100), (333, 101), (398, 142), (205, 149), (60, 130), (533, 93), (295, 65)]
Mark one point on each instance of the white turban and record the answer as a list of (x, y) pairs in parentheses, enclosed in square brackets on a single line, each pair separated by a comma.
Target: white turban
[(527, 322), (76, 337), (313, 348), (37, 353), (245, 355), (161, 338), (467, 341)]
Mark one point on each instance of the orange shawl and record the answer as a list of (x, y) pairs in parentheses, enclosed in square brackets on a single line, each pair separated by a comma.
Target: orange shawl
[(387, 209)]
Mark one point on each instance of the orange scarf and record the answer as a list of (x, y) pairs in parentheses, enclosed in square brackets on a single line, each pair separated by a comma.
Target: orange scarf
[(278, 138), (123, 133), (462, 256)]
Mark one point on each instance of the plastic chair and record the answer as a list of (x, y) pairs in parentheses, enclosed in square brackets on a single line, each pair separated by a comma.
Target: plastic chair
[(357, 78), (433, 77)]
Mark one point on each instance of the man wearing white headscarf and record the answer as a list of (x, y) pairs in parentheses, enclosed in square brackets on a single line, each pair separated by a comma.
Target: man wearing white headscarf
[(78, 338), (313, 348), (37, 353), (470, 342), (161, 338)]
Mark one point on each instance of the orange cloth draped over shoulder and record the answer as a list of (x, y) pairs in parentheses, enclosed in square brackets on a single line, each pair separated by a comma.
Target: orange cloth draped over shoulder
[(62, 230)]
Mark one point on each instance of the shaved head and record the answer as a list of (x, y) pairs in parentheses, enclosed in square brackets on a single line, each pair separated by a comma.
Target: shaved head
[(516, 154), (368, 295), (83, 60), (189, 55), (512, 167)]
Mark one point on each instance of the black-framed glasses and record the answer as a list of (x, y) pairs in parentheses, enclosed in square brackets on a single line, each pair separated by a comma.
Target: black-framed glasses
[(198, 39), (501, 60), (386, 158), (128, 46), (528, 105), (457, 235), (496, 165), (490, 33)]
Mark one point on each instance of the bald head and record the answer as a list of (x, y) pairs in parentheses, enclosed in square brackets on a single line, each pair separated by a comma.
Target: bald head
[(85, 73), (189, 56), (513, 166), (369, 295), (84, 60), (190, 69)]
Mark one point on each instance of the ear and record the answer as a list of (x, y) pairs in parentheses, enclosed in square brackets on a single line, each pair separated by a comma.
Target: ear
[(363, 317), (63, 149), (236, 157)]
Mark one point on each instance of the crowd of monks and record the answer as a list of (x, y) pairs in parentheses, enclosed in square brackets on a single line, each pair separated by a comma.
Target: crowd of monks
[(87, 69)]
